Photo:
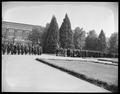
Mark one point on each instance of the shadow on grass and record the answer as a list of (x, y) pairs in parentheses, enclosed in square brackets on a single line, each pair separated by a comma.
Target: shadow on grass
[(97, 82)]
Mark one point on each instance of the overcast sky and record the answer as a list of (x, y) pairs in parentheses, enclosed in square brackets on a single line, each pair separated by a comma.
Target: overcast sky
[(86, 15)]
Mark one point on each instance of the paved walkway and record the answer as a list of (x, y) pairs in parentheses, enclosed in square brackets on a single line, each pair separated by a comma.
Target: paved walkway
[(22, 73)]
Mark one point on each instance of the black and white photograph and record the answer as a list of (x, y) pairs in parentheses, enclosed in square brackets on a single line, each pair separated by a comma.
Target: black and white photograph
[(59, 46)]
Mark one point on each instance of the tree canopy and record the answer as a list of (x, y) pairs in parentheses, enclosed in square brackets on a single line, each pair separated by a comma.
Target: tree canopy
[(113, 43), (102, 45), (91, 40), (79, 38), (66, 34), (51, 38), (35, 35), (52, 35)]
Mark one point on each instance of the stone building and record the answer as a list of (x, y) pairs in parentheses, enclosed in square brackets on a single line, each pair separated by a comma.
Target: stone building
[(16, 32)]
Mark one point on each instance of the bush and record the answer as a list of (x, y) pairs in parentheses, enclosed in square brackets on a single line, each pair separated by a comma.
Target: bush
[(85, 53)]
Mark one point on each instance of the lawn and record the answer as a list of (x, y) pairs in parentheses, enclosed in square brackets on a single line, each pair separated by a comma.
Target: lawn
[(95, 71)]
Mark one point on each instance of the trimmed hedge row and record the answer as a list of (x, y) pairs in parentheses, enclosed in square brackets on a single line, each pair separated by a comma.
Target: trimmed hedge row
[(83, 53)]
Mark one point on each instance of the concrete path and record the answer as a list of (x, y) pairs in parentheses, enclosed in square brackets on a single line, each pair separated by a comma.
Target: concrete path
[(22, 73)]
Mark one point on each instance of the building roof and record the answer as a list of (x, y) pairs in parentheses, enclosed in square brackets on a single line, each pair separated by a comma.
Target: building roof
[(18, 25)]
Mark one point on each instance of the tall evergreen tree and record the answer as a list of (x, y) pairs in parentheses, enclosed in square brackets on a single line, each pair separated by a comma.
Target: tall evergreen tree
[(79, 38), (102, 45), (66, 34), (113, 43), (91, 41), (52, 37)]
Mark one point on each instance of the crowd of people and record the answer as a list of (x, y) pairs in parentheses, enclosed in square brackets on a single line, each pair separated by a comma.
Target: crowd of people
[(82, 53), (20, 49)]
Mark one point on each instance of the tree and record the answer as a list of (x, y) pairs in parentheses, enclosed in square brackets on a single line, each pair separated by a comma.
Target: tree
[(52, 36), (66, 34), (91, 41), (44, 37), (79, 38), (35, 35), (113, 43), (102, 45), (107, 43)]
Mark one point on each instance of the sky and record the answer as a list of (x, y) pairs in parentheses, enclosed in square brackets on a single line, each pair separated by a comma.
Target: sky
[(86, 15)]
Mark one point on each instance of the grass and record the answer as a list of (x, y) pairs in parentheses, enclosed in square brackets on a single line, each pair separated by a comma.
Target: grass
[(105, 76)]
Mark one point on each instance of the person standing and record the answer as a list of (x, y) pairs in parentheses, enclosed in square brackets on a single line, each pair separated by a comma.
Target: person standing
[(25, 50), (15, 49), (22, 49), (12, 48), (35, 50), (57, 52), (68, 52), (30, 49), (7, 48), (18, 47)]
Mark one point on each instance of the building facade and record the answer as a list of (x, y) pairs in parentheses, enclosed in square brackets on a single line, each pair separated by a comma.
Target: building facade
[(16, 32)]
